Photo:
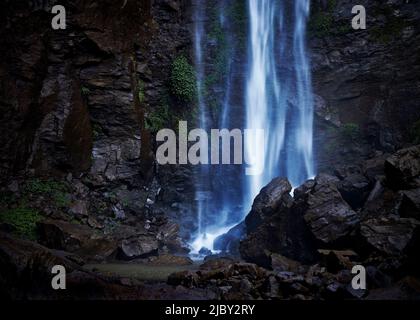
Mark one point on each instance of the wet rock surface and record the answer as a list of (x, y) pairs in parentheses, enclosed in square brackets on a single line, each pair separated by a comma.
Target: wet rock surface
[(328, 215)]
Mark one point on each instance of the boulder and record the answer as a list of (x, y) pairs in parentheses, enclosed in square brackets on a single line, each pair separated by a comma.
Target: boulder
[(375, 168), (381, 201), (169, 238), (286, 234), (275, 195), (26, 266), (204, 251), (283, 230), (217, 263), (390, 235), (187, 279), (141, 246), (410, 204), (170, 260), (403, 169), (229, 242), (328, 216), (355, 189), (26, 274), (255, 247), (280, 263), (76, 238)]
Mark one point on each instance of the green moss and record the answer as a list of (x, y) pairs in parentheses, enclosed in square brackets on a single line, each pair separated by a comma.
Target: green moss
[(23, 219), (158, 118), (56, 191), (141, 93), (220, 59), (61, 199), (85, 91), (183, 80), (96, 130)]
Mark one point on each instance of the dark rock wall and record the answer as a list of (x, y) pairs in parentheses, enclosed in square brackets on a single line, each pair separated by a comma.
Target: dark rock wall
[(366, 81), (70, 98)]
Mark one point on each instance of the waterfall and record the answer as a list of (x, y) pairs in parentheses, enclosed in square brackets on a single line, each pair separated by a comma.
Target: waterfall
[(300, 159), (278, 93), (216, 212), (202, 176), (275, 89)]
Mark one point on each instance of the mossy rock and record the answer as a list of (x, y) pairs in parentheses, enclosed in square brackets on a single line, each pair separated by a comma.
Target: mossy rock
[(23, 220), (183, 80)]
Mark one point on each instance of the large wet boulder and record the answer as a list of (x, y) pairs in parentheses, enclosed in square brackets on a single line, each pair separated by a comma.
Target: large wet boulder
[(390, 235), (403, 169), (170, 240), (354, 187), (26, 265), (229, 242), (282, 230), (141, 246), (270, 200), (26, 274), (76, 238), (328, 216)]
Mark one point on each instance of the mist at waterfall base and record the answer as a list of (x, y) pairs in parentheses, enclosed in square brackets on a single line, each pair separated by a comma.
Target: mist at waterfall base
[(278, 98)]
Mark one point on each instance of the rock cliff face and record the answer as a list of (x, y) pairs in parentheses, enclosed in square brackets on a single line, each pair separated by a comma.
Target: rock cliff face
[(83, 103), (366, 81)]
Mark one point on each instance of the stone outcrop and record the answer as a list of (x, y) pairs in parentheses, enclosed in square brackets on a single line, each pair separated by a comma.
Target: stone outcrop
[(269, 201), (76, 238), (390, 235), (141, 246), (278, 227), (328, 216)]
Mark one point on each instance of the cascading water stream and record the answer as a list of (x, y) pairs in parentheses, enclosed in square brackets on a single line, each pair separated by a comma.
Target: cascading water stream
[(276, 97), (279, 94), (300, 164), (202, 176)]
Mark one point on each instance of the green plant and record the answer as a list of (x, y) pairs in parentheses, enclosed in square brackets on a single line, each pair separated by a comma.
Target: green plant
[(126, 202), (23, 219), (61, 199), (96, 130), (350, 131), (157, 119), (141, 93), (55, 190), (183, 79), (85, 91)]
